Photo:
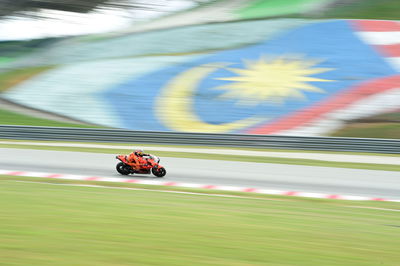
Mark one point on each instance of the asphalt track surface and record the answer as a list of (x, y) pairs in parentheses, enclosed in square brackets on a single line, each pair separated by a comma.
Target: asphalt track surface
[(358, 182)]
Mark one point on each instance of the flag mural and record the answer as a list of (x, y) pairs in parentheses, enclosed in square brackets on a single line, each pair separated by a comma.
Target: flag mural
[(305, 79), (273, 87)]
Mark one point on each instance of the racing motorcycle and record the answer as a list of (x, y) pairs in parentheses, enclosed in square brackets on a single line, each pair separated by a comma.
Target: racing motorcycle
[(151, 166)]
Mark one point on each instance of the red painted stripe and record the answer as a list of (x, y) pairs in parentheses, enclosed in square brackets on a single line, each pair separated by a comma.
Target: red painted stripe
[(92, 178), (131, 181), (16, 173), (54, 176), (392, 50), (378, 199), (376, 25), (250, 190), (337, 102), (288, 193)]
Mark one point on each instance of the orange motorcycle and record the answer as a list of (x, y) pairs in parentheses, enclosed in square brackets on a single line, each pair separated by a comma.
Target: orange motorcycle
[(150, 165)]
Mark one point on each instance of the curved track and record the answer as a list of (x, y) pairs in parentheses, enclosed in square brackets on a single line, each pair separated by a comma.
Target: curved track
[(358, 182)]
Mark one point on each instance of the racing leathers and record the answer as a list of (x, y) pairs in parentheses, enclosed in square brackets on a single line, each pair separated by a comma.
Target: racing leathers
[(137, 159)]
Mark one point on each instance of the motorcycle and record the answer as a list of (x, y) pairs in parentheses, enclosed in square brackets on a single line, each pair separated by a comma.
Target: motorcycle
[(151, 166)]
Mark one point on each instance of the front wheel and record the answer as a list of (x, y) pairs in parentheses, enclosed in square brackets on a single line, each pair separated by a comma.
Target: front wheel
[(159, 172), (123, 169)]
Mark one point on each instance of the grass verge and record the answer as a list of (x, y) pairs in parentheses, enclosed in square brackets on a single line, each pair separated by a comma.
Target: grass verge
[(258, 159), (365, 9), (58, 225), (13, 118), (389, 130)]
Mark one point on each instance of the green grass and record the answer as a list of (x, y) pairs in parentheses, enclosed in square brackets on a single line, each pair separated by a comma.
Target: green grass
[(385, 117), (194, 155), (365, 9), (354, 9), (5, 60), (12, 118), (274, 8), (386, 125), (57, 225), (370, 130)]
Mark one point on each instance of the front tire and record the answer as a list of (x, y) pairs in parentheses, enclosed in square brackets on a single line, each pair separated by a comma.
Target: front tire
[(123, 169), (159, 172)]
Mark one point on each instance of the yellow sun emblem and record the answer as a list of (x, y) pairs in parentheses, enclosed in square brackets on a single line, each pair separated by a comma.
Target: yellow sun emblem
[(272, 80)]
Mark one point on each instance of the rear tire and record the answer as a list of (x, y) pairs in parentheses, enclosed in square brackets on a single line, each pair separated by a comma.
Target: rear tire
[(123, 169), (159, 172)]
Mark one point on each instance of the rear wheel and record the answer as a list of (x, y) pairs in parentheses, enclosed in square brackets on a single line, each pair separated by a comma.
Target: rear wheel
[(159, 172), (123, 169)]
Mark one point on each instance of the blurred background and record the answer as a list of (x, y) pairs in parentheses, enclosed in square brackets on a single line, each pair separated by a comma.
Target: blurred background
[(269, 67), (299, 67)]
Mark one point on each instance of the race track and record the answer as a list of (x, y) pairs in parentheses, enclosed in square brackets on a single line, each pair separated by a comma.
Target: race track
[(372, 183)]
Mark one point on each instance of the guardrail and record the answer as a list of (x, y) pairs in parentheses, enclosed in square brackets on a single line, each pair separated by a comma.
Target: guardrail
[(226, 140)]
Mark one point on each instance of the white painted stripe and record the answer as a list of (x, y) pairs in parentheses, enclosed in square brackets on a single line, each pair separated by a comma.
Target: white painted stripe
[(380, 38), (228, 188), (112, 179), (312, 195), (210, 187), (4, 172), (70, 177), (271, 191), (188, 185), (348, 197), (39, 174)]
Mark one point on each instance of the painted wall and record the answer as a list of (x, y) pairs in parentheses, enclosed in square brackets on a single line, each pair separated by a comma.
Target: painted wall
[(299, 78)]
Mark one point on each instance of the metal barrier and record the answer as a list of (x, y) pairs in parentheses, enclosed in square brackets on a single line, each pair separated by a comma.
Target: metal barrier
[(226, 140)]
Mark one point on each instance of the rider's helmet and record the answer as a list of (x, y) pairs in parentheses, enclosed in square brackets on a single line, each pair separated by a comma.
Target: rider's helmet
[(139, 152)]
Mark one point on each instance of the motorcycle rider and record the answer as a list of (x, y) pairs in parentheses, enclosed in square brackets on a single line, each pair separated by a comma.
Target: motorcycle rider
[(136, 157)]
